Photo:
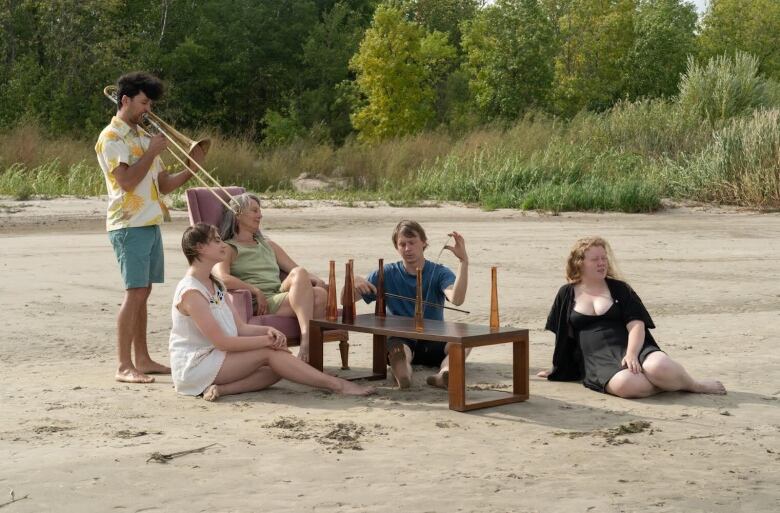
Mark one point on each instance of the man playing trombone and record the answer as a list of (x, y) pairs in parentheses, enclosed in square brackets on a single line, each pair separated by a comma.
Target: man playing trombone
[(400, 280), (136, 180)]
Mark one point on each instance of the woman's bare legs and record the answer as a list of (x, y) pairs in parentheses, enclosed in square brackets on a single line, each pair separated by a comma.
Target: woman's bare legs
[(631, 386), (670, 376), (248, 371), (304, 302), (624, 384)]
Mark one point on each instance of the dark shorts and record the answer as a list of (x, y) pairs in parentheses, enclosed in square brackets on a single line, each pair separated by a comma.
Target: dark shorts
[(139, 252), (429, 354)]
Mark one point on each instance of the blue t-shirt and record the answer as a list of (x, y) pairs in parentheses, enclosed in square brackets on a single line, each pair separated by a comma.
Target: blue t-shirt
[(398, 281)]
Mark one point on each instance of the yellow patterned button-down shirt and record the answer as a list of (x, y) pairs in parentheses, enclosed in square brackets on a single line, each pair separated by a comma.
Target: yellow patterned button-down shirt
[(120, 144)]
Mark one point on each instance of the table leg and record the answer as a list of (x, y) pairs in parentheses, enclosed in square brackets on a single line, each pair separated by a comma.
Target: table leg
[(315, 347), (520, 377), (457, 386), (380, 356)]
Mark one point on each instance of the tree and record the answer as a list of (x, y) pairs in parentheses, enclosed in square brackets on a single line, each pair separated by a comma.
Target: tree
[(227, 67), (736, 25), (442, 15), (509, 57), (326, 54), (397, 65), (596, 37), (664, 38)]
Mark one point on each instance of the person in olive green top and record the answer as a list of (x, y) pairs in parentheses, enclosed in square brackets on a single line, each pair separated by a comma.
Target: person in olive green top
[(254, 263)]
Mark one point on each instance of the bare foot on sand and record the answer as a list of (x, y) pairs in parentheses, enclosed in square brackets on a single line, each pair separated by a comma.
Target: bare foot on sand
[(152, 367), (132, 375), (441, 380), (349, 388), (402, 370), (543, 374), (709, 386), (211, 393)]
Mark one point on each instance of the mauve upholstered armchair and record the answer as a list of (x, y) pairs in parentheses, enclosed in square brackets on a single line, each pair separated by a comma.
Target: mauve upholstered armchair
[(204, 207)]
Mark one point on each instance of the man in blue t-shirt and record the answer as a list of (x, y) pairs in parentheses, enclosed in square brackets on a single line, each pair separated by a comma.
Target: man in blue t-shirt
[(439, 283)]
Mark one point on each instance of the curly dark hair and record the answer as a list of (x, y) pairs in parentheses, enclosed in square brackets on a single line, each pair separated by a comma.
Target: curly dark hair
[(136, 82)]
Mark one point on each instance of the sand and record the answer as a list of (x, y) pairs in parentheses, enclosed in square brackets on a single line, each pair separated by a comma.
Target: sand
[(72, 439)]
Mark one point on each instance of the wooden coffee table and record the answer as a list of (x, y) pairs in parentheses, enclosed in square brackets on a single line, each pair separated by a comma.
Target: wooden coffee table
[(461, 335)]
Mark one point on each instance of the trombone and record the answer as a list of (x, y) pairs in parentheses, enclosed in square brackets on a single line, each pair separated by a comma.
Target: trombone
[(179, 141)]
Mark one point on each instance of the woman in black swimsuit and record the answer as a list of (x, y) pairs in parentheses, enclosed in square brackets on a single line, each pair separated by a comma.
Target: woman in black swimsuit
[(602, 333)]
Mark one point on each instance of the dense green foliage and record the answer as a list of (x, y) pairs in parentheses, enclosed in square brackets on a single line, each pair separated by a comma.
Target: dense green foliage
[(553, 104), (752, 27), (278, 70)]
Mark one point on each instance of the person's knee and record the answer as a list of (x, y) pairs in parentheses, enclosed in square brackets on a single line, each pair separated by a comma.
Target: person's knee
[(299, 274), (137, 296), (262, 357), (660, 365), (629, 387)]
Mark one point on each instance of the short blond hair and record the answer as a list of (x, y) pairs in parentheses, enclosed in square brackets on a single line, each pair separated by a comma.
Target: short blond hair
[(577, 257)]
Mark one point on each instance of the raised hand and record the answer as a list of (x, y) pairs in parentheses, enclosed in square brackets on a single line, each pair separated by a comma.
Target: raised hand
[(459, 248)]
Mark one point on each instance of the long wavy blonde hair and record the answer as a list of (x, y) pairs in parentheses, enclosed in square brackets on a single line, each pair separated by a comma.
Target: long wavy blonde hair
[(577, 257)]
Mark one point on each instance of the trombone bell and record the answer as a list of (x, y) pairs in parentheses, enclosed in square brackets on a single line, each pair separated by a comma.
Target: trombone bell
[(181, 139)]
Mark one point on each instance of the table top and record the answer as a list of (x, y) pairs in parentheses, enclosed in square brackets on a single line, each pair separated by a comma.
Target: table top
[(441, 331)]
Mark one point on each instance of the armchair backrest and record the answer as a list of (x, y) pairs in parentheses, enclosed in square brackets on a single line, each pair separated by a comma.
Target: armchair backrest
[(204, 207)]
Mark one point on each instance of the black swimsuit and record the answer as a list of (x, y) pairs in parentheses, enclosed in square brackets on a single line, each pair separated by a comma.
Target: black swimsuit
[(603, 340)]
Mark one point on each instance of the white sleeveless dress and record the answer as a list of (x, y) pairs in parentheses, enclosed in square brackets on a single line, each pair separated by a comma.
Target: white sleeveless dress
[(195, 361)]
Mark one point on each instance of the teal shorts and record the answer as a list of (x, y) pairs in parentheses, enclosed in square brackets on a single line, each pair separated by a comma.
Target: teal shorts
[(139, 252)]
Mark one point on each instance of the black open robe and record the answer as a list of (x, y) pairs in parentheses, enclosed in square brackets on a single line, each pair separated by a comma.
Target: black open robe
[(567, 358)]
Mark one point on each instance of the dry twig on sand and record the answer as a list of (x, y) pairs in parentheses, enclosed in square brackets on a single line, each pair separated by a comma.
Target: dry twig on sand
[(164, 458), (14, 500)]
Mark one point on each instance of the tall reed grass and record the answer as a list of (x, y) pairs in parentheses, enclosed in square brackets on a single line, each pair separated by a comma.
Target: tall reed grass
[(623, 159)]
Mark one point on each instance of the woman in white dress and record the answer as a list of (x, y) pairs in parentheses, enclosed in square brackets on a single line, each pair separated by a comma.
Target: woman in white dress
[(213, 352)]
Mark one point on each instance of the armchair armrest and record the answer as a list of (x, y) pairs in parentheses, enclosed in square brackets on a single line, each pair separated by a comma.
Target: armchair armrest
[(241, 299)]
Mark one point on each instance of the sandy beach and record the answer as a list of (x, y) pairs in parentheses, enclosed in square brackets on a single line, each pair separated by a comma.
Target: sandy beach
[(73, 439)]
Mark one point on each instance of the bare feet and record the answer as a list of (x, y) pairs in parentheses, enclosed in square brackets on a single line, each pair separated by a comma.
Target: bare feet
[(709, 386), (211, 393), (543, 374), (441, 380), (152, 367), (132, 375), (349, 388), (402, 369)]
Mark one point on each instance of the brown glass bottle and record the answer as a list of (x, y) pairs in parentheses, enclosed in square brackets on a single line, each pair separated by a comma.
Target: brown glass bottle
[(331, 309), (348, 304)]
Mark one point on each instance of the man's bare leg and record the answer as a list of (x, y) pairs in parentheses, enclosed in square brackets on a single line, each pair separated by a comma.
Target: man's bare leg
[(442, 378), (127, 321), (400, 357), (144, 362)]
